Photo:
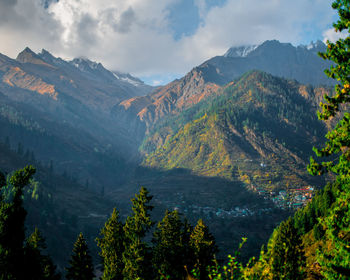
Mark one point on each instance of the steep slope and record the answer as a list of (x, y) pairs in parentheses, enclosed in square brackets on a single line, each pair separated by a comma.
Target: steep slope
[(260, 129), (280, 59), (57, 204), (301, 63), (174, 97), (61, 110)]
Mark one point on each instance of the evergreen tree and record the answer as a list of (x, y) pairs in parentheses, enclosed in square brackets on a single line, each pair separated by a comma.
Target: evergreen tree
[(287, 256), (12, 231), (2, 180), (37, 265), (81, 267), (136, 256), (112, 248), (335, 262), (203, 247), (170, 247)]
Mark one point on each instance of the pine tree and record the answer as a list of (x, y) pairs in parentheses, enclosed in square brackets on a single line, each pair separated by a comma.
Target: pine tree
[(287, 257), (2, 180), (203, 247), (170, 247), (37, 265), (12, 231), (112, 248), (136, 256), (336, 262), (81, 267)]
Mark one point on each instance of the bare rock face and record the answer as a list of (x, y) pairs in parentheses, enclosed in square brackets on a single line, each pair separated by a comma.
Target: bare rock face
[(170, 99)]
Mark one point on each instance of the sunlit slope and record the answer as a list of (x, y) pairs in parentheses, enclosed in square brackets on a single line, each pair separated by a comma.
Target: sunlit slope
[(259, 129)]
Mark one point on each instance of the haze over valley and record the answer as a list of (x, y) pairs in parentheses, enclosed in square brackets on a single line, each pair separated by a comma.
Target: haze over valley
[(226, 139)]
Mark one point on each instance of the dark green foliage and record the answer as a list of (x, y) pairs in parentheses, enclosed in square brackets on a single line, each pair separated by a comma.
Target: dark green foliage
[(111, 243), (335, 263), (81, 267), (37, 265), (287, 256), (204, 248), (306, 218), (171, 247), (136, 256), (12, 233), (232, 271), (2, 180)]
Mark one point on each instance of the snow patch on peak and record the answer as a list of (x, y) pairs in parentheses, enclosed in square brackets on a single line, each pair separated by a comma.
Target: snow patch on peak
[(241, 51), (127, 78), (315, 45), (83, 62)]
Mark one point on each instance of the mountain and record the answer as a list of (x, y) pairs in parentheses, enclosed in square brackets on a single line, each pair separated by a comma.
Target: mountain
[(301, 63), (259, 129), (62, 110), (175, 96), (56, 204)]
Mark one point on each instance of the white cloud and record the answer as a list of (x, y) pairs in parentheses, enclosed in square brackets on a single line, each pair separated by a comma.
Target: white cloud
[(26, 23), (333, 36), (135, 35)]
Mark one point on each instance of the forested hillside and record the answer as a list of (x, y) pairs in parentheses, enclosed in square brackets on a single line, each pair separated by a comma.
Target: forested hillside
[(229, 161), (259, 130)]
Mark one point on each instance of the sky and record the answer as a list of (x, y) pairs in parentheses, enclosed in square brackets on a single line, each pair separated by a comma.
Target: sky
[(157, 40)]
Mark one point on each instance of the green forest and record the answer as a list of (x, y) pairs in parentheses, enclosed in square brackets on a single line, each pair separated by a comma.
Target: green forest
[(313, 243)]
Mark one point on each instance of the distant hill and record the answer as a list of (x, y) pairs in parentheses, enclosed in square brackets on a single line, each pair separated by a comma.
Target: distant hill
[(62, 111), (301, 63), (57, 204), (259, 129)]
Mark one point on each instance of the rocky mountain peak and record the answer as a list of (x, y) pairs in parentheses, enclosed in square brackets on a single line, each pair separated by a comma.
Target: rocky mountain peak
[(85, 64), (28, 56), (240, 51)]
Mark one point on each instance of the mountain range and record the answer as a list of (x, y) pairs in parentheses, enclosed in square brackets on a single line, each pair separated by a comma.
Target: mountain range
[(301, 63), (242, 121)]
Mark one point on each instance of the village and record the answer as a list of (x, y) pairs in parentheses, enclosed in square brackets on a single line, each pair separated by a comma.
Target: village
[(290, 198)]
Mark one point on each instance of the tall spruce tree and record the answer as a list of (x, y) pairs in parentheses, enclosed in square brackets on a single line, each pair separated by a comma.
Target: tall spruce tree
[(2, 180), (170, 247), (37, 265), (111, 243), (335, 263), (136, 255), (203, 246), (12, 230), (287, 258), (80, 264)]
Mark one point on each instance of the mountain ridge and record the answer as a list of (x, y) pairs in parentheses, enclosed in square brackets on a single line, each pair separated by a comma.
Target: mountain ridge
[(280, 59), (241, 128)]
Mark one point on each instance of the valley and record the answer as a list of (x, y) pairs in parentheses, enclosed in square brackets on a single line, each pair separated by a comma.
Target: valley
[(228, 142)]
